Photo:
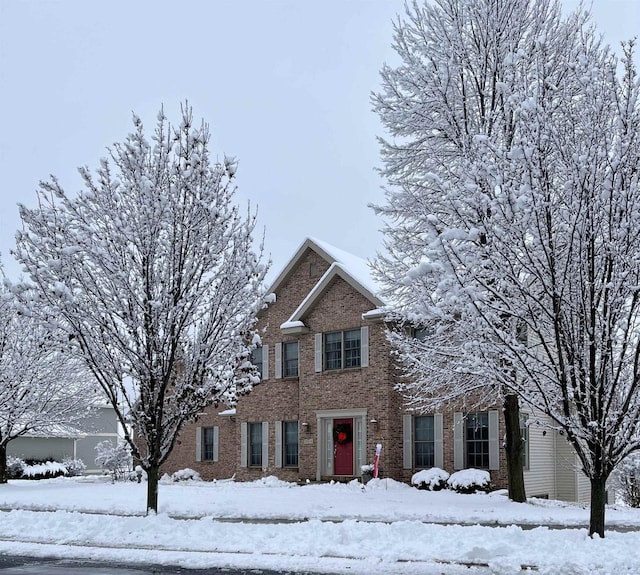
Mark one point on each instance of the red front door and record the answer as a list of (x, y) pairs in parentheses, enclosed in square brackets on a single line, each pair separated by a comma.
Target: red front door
[(343, 446)]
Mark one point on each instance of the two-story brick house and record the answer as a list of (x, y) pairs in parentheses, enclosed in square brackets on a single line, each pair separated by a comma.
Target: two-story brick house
[(328, 396)]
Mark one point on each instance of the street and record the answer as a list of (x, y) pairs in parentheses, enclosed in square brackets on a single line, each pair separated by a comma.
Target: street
[(15, 565)]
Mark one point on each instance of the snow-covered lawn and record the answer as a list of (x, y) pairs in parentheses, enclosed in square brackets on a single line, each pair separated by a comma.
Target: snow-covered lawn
[(339, 528)]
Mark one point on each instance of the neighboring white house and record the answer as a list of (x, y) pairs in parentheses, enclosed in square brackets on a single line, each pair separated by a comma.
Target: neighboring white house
[(65, 443)]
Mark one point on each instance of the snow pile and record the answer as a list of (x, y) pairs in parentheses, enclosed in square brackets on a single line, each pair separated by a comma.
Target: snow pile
[(46, 469), (432, 479), (187, 474), (469, 480)]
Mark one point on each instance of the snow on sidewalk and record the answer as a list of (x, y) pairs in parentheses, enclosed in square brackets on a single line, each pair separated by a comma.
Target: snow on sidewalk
[(397, 542)]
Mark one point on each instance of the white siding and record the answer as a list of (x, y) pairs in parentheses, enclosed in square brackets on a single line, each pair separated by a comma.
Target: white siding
[(584, 487), (540, 478), (566, 484)]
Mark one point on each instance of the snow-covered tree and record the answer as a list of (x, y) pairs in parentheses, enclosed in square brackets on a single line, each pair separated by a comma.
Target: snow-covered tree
[(152, 273), (519, 234), (450, 91), (43, 389)]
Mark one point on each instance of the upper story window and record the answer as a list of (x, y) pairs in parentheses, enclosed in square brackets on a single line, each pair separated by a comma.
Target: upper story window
[(290, 358), (342, 349), (422, 333)]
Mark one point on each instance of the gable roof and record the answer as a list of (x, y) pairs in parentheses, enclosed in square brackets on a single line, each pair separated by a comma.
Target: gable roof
[(352, 269)]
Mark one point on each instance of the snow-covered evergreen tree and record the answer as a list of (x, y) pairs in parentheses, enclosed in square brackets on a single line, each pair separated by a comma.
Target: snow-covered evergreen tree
[(152, 273), (512, 216), (43, 389)]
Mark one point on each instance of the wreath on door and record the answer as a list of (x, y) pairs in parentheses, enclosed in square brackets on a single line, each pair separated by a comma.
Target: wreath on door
[(342, 433)]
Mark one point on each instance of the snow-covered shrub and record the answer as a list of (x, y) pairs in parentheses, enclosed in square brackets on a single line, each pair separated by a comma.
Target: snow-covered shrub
[(74, 467), (44, 470), (185, 475), (115, 459), (433, 479), (15, 465), (628, 476), (470, 481)]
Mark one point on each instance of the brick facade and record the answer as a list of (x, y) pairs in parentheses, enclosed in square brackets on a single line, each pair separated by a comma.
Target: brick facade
[(364, 395)]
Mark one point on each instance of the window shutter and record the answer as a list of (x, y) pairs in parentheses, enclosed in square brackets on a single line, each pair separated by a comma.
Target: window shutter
[(328, 437), (360, 443), (265, 445), (265, 362), (438, 433), (243, 444), (494, 443), (458, 440), (364, 346), (318, 352), (216, 443), (407, 448), (278, 454), (278, 352), (198, 443)]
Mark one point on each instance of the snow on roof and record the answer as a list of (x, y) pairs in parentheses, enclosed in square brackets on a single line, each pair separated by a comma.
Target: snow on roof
[(291, 324), (353, 269), (57, 430), (356, 267)]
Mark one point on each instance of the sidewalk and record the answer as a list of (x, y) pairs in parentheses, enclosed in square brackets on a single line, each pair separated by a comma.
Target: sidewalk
[(615, 527)]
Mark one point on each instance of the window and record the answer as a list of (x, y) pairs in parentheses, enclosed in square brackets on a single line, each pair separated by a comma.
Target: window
[(208, 439), (290, 358), (352, 348), (422, 333), (290, 443), (207, 443), (256, 359), (255, 444), (342, 349), (423, 441), (524, 432), (477, 440)]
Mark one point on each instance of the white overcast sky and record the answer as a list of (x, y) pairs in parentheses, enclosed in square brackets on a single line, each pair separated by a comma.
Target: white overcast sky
[(284, 85)]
